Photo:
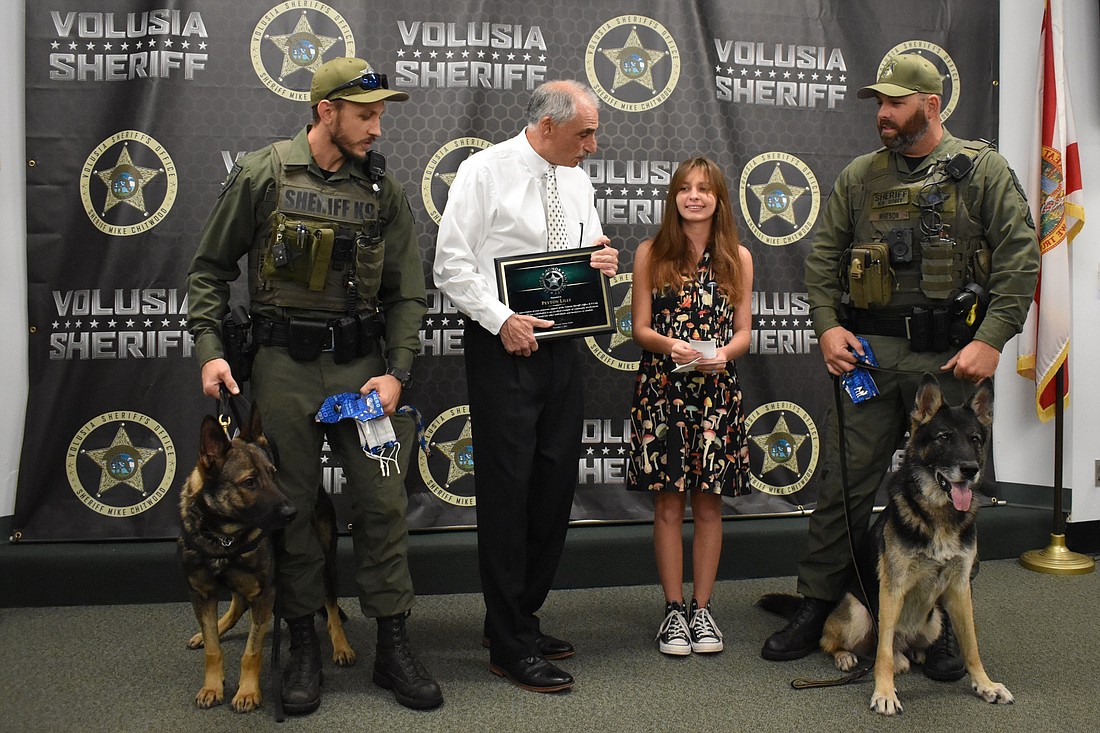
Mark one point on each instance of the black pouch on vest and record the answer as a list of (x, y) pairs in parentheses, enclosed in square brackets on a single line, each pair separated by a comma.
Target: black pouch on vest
[(930, 329), (920, 330), (941, 328), (371, 331), (345, 339), (306, 339), (240, 346)]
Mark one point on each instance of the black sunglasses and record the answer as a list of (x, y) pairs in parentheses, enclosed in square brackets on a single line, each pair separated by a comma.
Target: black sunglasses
[(366, 82)]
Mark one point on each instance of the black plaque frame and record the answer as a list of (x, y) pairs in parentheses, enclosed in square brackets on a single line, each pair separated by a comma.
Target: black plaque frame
[(561, 286)]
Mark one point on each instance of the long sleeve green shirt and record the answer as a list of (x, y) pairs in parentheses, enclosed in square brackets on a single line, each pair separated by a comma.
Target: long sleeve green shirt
[(231, 231), (993, 194)]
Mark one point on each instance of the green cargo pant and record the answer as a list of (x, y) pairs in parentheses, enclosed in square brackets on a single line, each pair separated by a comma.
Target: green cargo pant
[(289, 393)]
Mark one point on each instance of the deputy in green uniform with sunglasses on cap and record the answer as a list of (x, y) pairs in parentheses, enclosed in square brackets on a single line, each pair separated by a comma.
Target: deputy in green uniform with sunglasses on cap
[(331, 250)]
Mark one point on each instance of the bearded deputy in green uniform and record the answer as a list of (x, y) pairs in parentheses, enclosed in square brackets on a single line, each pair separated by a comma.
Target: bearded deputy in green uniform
[(334, 272), (926, 248)]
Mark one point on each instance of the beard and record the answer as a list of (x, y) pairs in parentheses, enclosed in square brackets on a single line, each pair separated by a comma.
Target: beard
[(907, 135), (347, 147)]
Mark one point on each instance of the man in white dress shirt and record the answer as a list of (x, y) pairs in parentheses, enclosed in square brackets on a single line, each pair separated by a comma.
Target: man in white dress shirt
[(525, 396)]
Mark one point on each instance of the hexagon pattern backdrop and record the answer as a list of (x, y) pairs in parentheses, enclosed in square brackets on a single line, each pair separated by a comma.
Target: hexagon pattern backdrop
[(135, 115)]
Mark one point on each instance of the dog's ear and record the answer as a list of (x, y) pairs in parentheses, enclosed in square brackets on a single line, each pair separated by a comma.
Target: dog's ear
[(982, 402), (254, 429), (929, 400), (257, 436), (213, 443), (271, 448)]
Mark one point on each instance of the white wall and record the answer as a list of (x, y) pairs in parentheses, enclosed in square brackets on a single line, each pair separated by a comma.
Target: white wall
[(13, 254), (1024, 446)]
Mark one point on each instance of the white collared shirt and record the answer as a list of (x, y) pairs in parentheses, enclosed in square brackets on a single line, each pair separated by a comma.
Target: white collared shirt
[(496, 208)]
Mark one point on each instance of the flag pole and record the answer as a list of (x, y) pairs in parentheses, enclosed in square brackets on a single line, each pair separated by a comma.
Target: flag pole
[(1056, 558)]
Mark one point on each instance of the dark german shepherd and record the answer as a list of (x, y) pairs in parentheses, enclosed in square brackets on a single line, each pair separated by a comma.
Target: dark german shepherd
[(229, 506), (921, 550)]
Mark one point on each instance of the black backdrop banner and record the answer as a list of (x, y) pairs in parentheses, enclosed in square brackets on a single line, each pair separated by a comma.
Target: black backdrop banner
[(135, 116)]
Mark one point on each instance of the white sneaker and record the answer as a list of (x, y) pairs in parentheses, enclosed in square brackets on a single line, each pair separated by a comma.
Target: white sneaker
[(705, 636), (673, 635)]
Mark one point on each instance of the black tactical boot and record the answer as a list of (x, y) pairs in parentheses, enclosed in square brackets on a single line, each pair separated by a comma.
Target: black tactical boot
[(395, 667), (302, 675), (802, 635), (943, 661)]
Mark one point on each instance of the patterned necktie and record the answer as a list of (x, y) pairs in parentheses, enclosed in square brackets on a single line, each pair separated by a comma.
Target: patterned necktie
[(557, 238)]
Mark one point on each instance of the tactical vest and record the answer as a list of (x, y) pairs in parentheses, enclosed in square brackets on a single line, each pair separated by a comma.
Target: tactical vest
[(897, 262), (319, 235)]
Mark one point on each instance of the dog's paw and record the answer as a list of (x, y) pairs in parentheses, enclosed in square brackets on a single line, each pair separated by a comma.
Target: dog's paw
[(195, 642), (845, 661), (208, 697), (901, 663), (886, 704), (343, 657), (246, 701), (994, 692)]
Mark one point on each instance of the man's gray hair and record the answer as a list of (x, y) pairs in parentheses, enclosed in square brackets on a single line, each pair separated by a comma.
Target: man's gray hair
[(558, 101)]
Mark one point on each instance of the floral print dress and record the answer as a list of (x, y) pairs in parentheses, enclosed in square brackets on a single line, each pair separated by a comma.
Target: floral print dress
[(688, 428)]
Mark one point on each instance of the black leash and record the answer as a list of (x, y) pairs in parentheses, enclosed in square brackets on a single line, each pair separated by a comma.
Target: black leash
[(854, 676), (865, 665), (277, 635), (232, 402), (911, 372)]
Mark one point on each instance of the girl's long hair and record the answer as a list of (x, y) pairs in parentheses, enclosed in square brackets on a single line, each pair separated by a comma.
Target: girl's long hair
[(671, 261)]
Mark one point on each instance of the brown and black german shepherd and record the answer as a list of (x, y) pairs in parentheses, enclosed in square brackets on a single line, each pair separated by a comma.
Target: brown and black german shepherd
[(921, 550), (229, 507)]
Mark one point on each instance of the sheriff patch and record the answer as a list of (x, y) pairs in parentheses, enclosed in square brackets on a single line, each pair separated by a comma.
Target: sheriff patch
[(893, 197), (306, 202)]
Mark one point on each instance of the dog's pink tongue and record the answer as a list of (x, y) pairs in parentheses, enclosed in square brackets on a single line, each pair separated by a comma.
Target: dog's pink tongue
[(961, 496)]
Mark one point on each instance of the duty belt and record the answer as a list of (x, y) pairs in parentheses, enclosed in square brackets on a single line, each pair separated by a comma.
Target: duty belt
[(866, 322), (347, 337), (934, 328), (276, 332)]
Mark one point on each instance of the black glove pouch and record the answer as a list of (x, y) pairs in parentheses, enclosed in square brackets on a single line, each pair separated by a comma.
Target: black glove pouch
[(306, 339)]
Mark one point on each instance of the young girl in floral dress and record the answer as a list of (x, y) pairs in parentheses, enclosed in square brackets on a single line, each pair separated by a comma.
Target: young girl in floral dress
[(691, 283)]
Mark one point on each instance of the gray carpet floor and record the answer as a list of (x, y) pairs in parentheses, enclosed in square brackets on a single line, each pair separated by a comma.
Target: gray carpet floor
[(126, 668)]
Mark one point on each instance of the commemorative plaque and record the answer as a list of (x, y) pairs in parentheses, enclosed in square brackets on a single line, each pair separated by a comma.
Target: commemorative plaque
[(559, 286)]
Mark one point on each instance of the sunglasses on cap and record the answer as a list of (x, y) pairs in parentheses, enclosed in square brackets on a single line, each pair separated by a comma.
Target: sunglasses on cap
[(368, 81)]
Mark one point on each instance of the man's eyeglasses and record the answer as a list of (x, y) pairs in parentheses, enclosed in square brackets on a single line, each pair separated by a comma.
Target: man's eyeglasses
[(366, 82)]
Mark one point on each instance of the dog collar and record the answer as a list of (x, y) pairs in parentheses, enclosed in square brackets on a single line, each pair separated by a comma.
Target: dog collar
[(231, 543)]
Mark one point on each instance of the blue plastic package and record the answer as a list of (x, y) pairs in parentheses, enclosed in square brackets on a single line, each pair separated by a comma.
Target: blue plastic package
[(858, 383)]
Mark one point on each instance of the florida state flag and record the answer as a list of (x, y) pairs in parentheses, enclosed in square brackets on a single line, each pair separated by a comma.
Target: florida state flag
[(1056, 199)]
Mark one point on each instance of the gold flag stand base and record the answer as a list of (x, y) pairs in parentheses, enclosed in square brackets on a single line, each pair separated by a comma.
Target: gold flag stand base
[(1056, 559)]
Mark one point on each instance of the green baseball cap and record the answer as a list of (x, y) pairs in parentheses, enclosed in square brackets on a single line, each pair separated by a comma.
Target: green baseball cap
[(353, 80), (905, 74)]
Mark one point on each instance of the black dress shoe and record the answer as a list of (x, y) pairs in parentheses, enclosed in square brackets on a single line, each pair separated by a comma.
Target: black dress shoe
[(550, 647), (534, 674), (802, 635)]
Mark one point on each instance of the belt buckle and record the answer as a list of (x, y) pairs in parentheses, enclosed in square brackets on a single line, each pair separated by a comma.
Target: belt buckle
[(331, 341), (907, 319)]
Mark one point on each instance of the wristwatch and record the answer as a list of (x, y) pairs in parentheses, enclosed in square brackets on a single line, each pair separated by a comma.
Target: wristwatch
[(402, 375)]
